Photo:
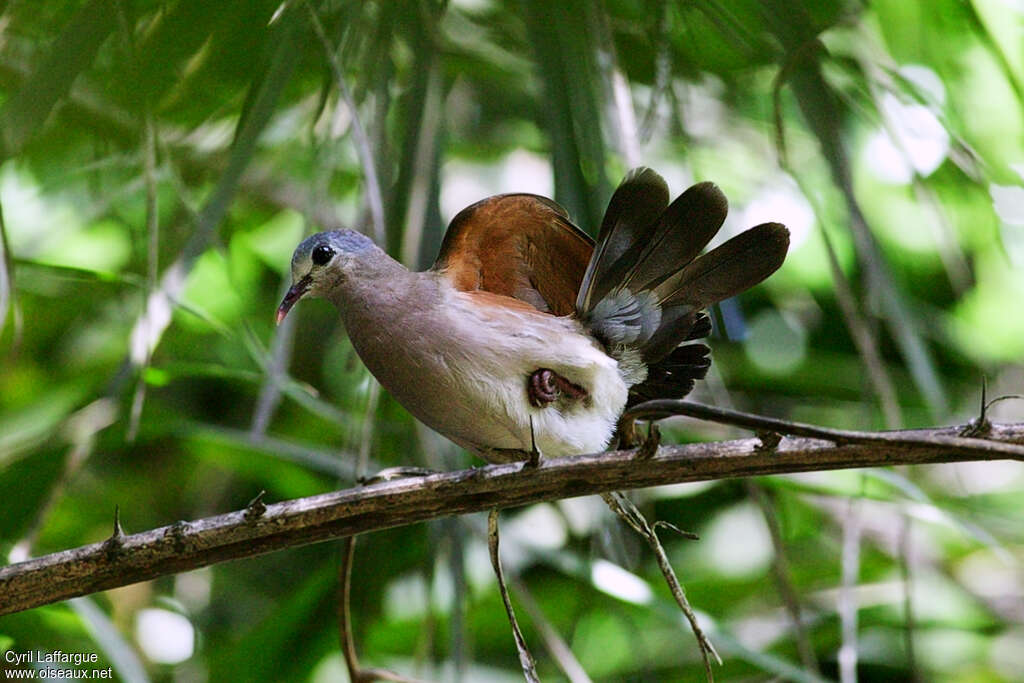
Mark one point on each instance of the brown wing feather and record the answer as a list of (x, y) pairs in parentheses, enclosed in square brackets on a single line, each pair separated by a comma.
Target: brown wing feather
[(517, 245)]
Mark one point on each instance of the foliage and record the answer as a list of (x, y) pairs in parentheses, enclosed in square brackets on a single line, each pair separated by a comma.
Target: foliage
[(161, 160)]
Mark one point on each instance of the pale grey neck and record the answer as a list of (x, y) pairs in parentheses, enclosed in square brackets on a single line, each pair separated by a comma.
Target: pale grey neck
[(375, 288)]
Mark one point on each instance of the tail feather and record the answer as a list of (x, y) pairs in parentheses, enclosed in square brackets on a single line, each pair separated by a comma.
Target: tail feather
[(673, 376), (727, 270), (679, 235), (646, 284), (632, 211)]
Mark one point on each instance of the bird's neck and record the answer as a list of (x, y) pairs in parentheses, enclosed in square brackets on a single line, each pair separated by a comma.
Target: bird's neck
[(379, 290)]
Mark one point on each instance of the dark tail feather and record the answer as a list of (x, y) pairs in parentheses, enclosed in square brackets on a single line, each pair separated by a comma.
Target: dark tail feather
[(645, 241), (645, 286), (723, 272), (674, 375), (681, 233), (632, 212), (729, 269)]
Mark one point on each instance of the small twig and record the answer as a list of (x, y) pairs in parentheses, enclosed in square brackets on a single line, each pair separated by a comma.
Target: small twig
[(525, 658), (374, 198), (346, 636), (863, 338), (628, 512), (688, 535), (908, 602), (555, 644), (662, 408), (780, 568), (847, 607)]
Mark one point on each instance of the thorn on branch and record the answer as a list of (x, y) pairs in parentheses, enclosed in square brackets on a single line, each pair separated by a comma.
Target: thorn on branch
[(256, 508), (979, 427), (112, 546), (769, 440)]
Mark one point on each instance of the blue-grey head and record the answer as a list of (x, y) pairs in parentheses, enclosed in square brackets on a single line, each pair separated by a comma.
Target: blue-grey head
[(320, 262)]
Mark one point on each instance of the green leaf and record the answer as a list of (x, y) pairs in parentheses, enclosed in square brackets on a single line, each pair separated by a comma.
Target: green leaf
[(72, 52)]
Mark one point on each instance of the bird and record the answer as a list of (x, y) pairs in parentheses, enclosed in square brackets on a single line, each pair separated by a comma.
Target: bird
[(527, 336)]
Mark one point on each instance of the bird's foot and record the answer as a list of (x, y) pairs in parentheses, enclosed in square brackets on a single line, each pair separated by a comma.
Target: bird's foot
[(546, 386)]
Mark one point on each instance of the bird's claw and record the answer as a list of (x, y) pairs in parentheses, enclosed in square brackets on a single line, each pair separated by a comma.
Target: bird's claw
[(545, 386)]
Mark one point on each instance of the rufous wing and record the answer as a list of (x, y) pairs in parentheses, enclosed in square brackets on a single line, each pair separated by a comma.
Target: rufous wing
[(518, 245)]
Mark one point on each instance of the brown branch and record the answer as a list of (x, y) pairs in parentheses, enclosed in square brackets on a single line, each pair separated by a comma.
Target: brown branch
[(185, 546)]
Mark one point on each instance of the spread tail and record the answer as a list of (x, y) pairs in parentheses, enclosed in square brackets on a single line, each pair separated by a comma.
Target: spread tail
[(646, 284)]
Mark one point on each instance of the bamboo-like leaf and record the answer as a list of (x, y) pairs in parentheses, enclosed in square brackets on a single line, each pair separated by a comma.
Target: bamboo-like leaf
[(125, 661), (571, 105), (263, 100), (72, 52)]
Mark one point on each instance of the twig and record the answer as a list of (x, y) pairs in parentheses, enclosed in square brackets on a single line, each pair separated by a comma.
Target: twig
[(863, 339), (908, 603), (780, 567), (374, 197), (386, 504), (555, 644), (626, 511), (356, 674), (847, 607), (662, 408), (345, 635), (525, 658)]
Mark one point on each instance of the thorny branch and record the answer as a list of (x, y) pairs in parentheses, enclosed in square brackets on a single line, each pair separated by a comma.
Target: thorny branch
[(183, 546)]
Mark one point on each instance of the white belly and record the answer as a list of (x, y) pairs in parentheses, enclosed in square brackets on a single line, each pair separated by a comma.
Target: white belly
[(491, 360)]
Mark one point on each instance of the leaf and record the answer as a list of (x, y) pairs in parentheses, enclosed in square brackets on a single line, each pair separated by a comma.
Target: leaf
[(71, 53)]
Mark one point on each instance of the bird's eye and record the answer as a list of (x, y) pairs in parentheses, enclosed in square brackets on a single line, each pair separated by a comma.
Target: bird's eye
[(322, 254)]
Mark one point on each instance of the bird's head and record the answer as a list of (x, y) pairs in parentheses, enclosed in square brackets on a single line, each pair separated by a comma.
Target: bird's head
[(321, 263)]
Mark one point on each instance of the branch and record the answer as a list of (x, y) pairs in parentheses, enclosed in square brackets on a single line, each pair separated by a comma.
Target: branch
[(183, 546)]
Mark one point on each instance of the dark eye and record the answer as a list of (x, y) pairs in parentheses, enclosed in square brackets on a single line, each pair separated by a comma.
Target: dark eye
[(322, 254)]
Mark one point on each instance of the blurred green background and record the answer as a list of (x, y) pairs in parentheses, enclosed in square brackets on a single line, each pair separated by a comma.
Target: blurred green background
[(160, 160)]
